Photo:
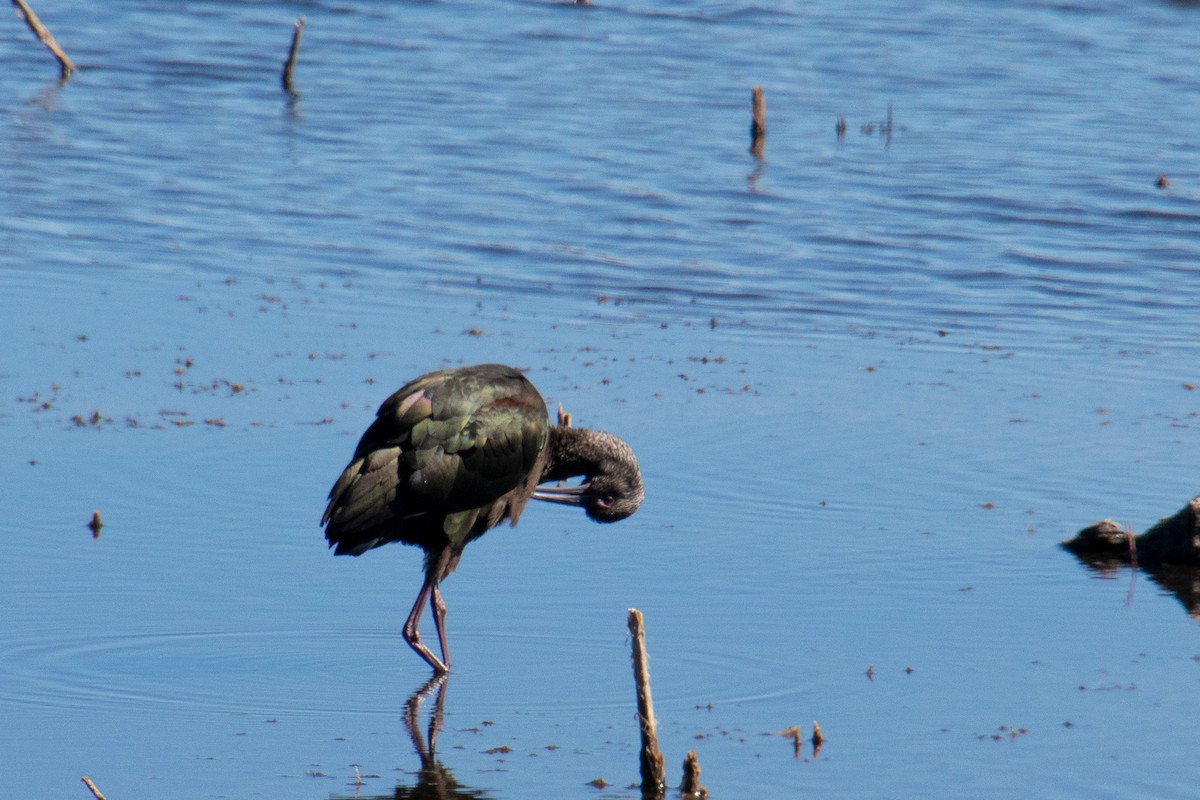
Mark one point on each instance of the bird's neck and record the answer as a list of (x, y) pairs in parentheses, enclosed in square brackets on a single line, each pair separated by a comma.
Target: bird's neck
[(575, 451)]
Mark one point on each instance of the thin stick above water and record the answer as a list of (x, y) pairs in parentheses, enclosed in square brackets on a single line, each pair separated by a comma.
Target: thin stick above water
[(289, 66), (92, 788), (47, 38), (654, 778)]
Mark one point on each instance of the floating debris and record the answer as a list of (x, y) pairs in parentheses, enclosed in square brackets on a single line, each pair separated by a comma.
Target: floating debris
[(794, 733), (95, 524), (94, 420), (1002, 733)]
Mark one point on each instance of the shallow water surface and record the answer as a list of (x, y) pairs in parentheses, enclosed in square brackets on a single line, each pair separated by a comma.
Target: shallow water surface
[(872, 380)]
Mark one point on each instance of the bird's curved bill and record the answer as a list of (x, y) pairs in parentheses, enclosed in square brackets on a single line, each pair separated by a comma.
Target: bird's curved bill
[(567, 495)]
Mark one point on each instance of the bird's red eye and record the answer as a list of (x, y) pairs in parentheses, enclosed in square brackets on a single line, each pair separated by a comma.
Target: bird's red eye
[(605, 502)]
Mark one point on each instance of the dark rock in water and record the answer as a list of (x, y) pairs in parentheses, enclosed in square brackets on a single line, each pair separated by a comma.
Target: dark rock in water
[(1172, 540), (1169, 553)]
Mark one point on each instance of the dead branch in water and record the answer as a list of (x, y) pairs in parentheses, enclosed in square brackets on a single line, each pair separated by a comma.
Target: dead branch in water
[(46, 38), (92, 787)]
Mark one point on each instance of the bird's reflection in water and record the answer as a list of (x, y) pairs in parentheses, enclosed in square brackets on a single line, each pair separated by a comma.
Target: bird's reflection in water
[(1181, 580), (435, 781)]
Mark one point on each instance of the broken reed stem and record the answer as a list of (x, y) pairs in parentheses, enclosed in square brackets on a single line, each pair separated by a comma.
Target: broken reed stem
[(654, 778), (758, 122), (46, 38), (92, 787), (289, 66)]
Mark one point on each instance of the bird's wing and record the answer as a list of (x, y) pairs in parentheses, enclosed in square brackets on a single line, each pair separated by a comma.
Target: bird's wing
[(448, 445), (482, 444)]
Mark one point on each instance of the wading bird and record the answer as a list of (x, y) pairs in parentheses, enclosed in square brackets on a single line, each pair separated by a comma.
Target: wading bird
[(454, 453)]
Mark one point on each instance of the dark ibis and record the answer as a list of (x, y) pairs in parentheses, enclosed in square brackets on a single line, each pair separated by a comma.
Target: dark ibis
[(456, 452)]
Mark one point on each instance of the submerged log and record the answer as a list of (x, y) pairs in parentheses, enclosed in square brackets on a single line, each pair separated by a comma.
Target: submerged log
[(1172, 540)]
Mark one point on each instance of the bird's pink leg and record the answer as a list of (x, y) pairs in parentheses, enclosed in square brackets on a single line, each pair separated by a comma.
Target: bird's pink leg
[(428, 591), (438, 606)]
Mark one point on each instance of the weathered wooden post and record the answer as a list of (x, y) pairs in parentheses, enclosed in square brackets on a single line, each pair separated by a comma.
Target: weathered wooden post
[(758, 122), (654, 779)]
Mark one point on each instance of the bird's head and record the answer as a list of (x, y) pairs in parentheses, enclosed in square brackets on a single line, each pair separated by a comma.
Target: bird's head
[(611, 489), (612, 497)]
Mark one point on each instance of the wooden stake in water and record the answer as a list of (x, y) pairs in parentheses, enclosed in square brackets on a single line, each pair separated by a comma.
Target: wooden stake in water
[(46, 38), (758, 122), (690, 785), (654, 778), (289, 66)]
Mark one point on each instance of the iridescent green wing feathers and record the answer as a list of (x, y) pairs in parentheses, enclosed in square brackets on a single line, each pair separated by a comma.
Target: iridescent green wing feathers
[(442, 452)]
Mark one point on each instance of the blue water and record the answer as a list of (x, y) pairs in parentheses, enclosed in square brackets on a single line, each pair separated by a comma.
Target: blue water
[(872, 379)]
